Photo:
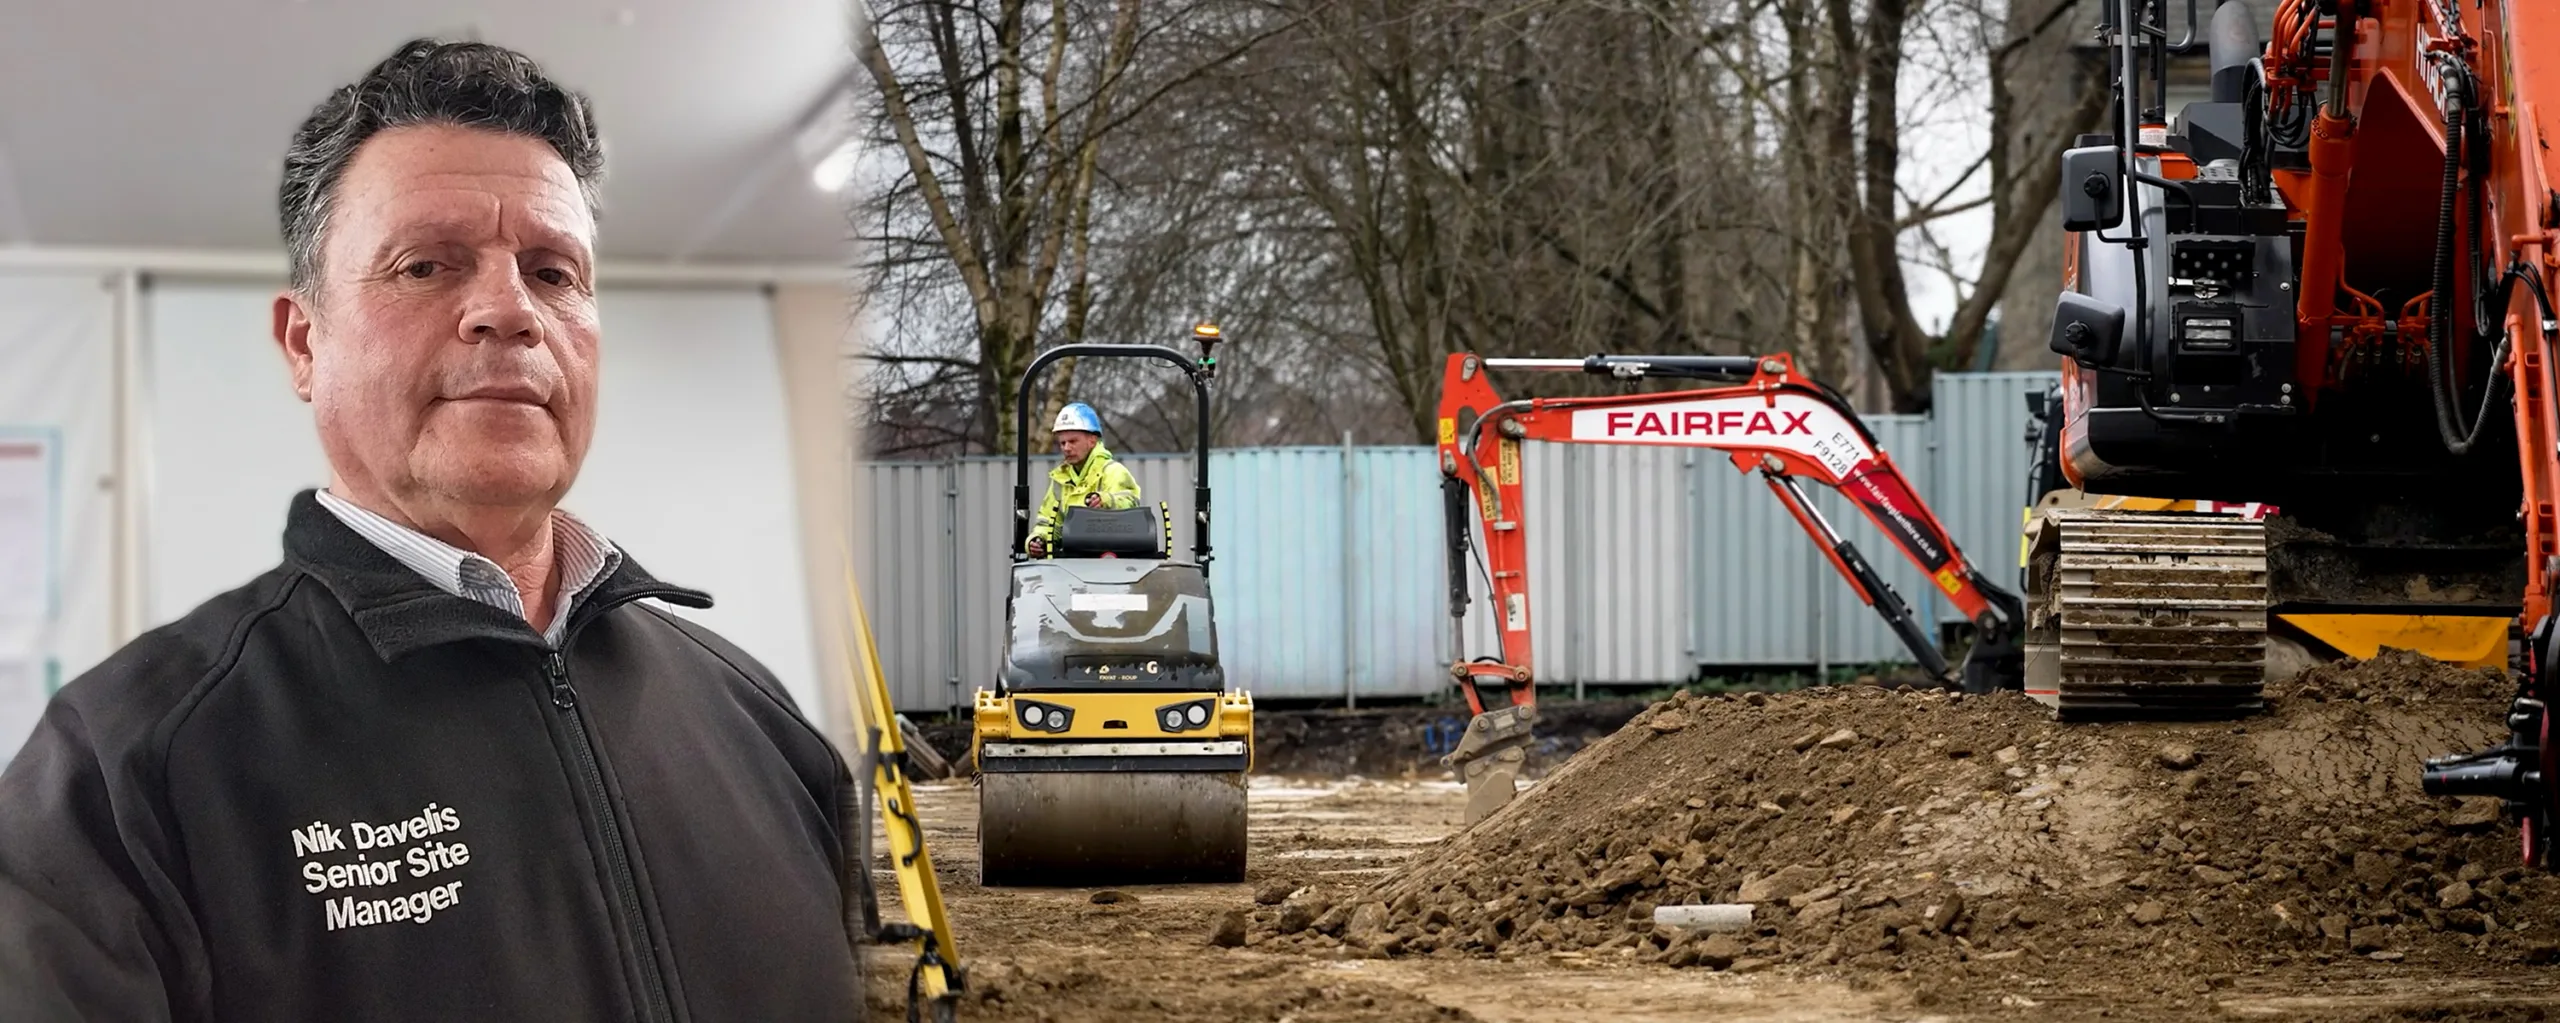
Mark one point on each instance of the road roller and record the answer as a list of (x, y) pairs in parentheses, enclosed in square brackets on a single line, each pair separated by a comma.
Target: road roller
[(1111, 751)]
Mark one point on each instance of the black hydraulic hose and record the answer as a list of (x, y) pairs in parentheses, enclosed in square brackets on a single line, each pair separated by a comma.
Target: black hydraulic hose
[(2523, 271), (1897, 614), (2444, 394), (2169, 188), (2484, 310), (2254, 136), (1454, 508), (1457, 502), (2542, 300), (2441, 306)]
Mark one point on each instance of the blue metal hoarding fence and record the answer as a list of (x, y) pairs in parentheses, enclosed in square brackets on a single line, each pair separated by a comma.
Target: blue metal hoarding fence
[(1646, 562)]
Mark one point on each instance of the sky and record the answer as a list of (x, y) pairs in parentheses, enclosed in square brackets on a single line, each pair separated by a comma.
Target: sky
[(1946, 128)]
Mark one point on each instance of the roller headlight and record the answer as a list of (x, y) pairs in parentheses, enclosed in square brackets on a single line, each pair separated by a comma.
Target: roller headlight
[(1042, 717), (1187, 716)]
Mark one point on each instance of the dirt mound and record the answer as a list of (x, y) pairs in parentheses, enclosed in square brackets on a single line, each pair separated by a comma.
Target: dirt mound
[(1884, 829)]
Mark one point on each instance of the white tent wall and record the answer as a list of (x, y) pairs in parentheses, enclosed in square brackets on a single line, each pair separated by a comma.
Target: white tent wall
[(57, 388), (691, 471), (814, 338), (229, 443)]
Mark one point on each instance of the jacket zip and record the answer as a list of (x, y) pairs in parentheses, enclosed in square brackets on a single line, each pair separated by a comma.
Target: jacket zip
[(626, 888)]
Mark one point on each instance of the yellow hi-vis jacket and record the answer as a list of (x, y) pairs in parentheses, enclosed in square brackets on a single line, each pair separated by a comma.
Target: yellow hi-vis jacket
[(1070, 484)]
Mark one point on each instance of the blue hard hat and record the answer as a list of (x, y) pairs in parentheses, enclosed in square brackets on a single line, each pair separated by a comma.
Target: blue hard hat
[(1078, 416)]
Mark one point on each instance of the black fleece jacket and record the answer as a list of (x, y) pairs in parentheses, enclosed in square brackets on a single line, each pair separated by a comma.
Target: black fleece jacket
[(339, 793)]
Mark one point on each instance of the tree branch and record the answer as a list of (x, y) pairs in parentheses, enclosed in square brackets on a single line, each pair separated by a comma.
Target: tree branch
[(964, 256)]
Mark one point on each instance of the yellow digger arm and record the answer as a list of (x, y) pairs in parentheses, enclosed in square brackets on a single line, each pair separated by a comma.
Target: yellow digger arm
[(937, 977)]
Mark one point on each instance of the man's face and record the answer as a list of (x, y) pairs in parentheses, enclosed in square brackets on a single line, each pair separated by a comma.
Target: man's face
[(448, 349), (1075, 444)]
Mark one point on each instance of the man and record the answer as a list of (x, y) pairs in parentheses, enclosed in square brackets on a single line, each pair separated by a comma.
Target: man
[(438, 764), (1089, 478)]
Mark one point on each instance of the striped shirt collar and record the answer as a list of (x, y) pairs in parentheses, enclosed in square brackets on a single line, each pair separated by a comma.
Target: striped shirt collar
[(581, 556)]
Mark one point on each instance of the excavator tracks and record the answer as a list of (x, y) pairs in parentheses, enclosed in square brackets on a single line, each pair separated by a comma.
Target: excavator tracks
[(2135, 614)]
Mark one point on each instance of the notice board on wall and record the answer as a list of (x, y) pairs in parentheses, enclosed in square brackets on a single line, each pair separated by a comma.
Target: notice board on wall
[(30, 575)]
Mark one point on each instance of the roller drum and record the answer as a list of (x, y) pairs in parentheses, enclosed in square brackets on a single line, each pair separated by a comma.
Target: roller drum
[(1071, 829)]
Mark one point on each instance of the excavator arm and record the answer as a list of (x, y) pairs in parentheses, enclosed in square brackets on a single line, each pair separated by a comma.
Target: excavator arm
[(1769, 420)]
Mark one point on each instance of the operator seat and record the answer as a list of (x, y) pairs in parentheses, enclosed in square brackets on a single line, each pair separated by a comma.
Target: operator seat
[(1111, 533)]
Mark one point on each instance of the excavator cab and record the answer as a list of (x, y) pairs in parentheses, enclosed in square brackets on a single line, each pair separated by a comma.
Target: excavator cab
[(1112, 750)]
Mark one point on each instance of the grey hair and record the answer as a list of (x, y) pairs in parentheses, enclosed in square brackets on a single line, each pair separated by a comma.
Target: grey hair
[(471, 85)]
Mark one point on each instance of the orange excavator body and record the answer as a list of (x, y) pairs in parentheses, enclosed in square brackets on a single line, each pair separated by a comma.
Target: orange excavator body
[(2327, 288)]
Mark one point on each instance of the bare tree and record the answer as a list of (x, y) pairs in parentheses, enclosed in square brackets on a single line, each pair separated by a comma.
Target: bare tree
[(2019, 191), (2035, 55), (1356, 188), (1000, 115)]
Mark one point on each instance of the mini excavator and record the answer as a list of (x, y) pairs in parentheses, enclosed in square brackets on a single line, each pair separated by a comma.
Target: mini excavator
[(2324, 288), (1112, 751), (1769, 419)]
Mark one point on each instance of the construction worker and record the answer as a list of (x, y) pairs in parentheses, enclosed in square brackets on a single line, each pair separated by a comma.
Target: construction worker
[(1089, 477)]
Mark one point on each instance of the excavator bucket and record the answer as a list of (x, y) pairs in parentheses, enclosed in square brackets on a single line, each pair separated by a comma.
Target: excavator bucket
[(1489, 757), (2468, 641)]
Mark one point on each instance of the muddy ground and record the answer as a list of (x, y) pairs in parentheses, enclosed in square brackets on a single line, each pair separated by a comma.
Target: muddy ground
[(1912, 857)]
